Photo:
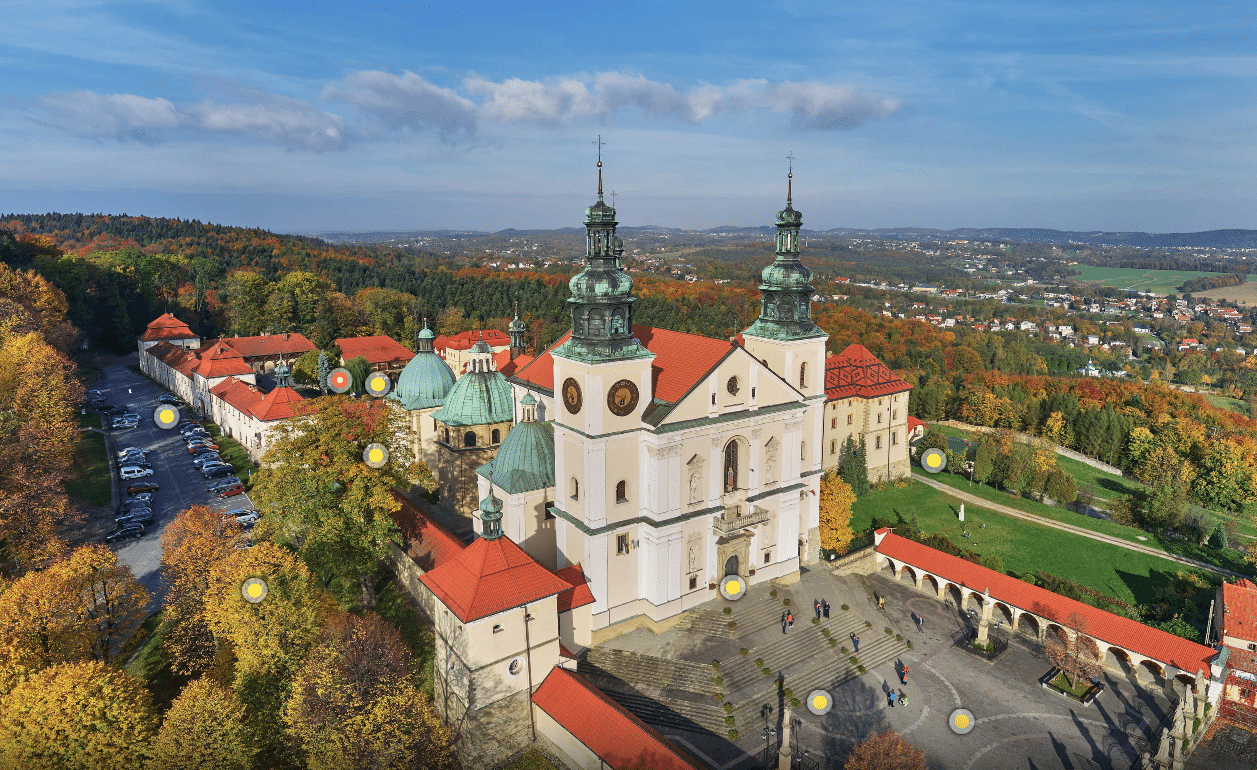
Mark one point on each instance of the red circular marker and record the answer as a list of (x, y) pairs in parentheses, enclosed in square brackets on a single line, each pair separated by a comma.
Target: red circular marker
[(339, 380)]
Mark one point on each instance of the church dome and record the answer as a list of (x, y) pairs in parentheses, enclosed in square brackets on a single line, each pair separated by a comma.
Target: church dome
[(787, 274), (592, 283), (424, 382), (789, 216), (525, 460), (481, 347), (480, 397)]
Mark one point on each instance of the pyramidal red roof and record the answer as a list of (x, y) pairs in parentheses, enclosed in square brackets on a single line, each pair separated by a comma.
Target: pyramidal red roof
[(167, 327), (490, 576), (606, 728), (492, 337), (1105, 626), (427, 542), (277, 405), (857, 372), (1239, 610), (681, 360), (182, 361), (271, 345), (577, 594), (241, 395), (379, 349)]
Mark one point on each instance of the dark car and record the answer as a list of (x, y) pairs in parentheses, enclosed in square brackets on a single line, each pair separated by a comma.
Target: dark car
[(107, 409), (207, 461), (224, 482), (134, 505), (143, 486), (217, 473), (125, 531), (143, 516), (202, 449), (169, 398)]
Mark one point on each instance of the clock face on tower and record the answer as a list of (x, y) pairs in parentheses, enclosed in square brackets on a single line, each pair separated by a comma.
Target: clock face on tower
[(571, 395), (622, 398)]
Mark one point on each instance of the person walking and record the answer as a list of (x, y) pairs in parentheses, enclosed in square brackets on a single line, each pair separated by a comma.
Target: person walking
[(825, 607), (890, 698), (903, 675), (855, 640), (783, 622), (817, 605), (790, 619), (881, 602)]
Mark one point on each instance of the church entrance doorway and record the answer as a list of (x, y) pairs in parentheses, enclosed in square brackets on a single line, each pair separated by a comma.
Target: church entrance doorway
[(731, 565), (734, 552)]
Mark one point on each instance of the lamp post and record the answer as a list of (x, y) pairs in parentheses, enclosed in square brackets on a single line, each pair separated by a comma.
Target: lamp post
[(769, 732)]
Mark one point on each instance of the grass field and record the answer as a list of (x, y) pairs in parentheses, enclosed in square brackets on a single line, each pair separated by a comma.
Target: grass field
[(1026, 547), (151, 667), (89, 419), (91, 483), (1227, 403), (1158, 281), (529, 760), (231, 451), (1244, 294), (1102, 484)]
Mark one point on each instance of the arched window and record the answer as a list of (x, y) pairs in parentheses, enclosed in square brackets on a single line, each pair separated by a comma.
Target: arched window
[(469, 438), (575, 489), (803, 374), (447, 435), (731, 466), (621, 491), (497, 436), (833, 446)]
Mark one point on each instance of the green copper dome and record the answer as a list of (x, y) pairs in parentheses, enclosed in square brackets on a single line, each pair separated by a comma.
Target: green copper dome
[(525, 460), (426, 380), (480, 397), (786, 285)]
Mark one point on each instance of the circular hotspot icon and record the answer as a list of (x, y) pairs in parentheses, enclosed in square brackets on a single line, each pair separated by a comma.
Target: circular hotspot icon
[(378, 384), (166, 416), (254, 590), (961, 721), (375, 455), (339, 380), (933, 460), (733, 587), (819, 702)]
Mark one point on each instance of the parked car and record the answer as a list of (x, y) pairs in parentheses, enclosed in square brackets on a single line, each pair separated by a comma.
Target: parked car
[(210, 460), (143, 486), (111, 410), (169, 398), (132, 472), (140, 497), (133, 449), (239, 512), (198, 450), (248, 519), (134, 504), (231, 491), (130, 416), (125, 531), (140, 516), (124, 425), (217, 472), (134, 463), (93, 392), (220, 483)]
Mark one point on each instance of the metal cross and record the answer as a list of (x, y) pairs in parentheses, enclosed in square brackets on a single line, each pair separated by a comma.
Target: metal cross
[(613, 198), (600, 143), (790, 158)]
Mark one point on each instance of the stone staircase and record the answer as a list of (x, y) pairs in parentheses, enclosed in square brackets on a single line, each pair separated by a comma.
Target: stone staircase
[(660, 691), (668, 713), (649, 672)]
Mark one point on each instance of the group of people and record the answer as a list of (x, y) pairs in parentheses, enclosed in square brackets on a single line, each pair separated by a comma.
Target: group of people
[(787, 620), (902, 697), (822, 608)]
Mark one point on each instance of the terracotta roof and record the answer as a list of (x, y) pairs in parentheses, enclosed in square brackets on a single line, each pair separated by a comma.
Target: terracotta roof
[(427, 542), (1105, 626), (167, 327), (492, 337), (182, 361), (508, 366), (238, 394), (491, 576), (857, 372), (221, 359), (380, 349), (578, 593), (681, 360), (619, 738), (278, 404), (913, 423), (270, 345), (566, 653), (1239, 610), (1240, 660)]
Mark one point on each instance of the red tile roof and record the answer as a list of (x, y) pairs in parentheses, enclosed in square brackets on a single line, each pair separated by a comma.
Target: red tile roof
[(278, 404), (577, 594), (182, 361), (492, 337), (857, 372), (914, 423), (508, 366), (1239, 610), (380, 349), (238, 394), (292, 344), (681, 361), (427, 542), (167, 327), (220, 358), (619, 738), (491, 576), (1105, 626)]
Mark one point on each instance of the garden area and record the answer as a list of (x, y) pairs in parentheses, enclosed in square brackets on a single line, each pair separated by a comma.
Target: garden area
[(90, 482)]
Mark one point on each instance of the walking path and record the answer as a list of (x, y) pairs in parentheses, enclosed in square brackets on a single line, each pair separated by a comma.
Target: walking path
[(987, 504), (1060, 450)]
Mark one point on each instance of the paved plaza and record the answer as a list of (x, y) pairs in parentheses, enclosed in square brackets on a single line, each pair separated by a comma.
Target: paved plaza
[(1019, 724)]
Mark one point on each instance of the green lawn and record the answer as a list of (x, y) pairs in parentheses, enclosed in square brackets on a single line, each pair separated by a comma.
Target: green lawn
[(89, 419), (529, 760), (1159, 281), (231, 451), (1227, 403), (1026, 547), (1104, 485), (91, 483)]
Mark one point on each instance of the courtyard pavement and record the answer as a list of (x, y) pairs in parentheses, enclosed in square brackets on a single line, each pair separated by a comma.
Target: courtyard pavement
[(1019, 725)]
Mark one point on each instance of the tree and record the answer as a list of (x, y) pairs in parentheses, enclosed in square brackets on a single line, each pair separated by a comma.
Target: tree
[(39, 626), (316, 490), (204, 730), (836, 500), (324, 370), (1077, 658), (855, 468), (885, 751), (359, 367), (1061, 486), (354, 703), (305, 370), (111, 602), (192, 545), (247, 294), (77, 715), (984, 459), (30, 303)]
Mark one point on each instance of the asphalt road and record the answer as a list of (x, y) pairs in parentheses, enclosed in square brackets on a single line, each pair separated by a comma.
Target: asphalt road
[(182, 485)]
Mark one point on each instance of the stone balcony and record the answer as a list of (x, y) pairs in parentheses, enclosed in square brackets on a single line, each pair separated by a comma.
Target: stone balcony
[(738, 517)]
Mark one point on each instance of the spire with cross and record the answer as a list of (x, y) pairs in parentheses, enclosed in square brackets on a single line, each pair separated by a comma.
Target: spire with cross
[(600, 144), (790, 178), (613, 199)]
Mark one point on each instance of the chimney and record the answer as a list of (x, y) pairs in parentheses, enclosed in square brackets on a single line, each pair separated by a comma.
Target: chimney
[(285, 336)]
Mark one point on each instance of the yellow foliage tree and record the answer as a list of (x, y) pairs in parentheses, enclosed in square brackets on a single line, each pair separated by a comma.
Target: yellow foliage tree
[(204, 730), (77, 715), (836, 501), (192, 544)]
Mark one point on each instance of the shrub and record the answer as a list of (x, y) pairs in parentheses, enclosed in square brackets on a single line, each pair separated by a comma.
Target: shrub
[(888, 631), (720, 681), (845, 608), (715, 664), (743, 651), (728, 708), (730, 721), (733, 735), (732, 624), (815, 621), (773, 593), (728, 610), (788, 692), (768, 672), (786, 602), (825, 632), (795, 703), (854, 660), (861, 669), (909, 644), (832, 641), (898, 637), (844, 650), (868, 624), (759, 663), (719, 696)]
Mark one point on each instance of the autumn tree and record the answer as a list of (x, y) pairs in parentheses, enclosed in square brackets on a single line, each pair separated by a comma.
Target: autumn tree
[(319, 494), (355, 704), (197, 540), (30, 303), (1077, 658), (111, 602), (204, 730), (835, 505), (885, 751), (77, 715)]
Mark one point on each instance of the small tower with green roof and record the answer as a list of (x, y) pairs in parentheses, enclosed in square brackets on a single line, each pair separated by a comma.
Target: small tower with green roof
[(517, 330), (421, 390)]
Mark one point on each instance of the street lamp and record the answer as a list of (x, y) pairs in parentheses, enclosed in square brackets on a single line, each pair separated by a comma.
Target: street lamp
[(769, 734)]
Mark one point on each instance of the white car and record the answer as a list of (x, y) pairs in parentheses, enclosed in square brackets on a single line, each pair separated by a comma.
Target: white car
[(131, 472), (133, 450)]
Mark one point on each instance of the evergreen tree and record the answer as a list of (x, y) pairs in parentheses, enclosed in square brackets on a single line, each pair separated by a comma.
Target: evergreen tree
[(325, 368), (984, 459), (360, 368), (861, 486)]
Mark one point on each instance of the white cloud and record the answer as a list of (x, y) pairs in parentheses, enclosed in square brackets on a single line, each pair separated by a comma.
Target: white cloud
[(110, 116), (406, 101), (291, 122)]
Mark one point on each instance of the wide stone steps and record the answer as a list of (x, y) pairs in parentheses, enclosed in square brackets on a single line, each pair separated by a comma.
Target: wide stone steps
[(665, 713), (708, 622), (664, 673), (802, 642)]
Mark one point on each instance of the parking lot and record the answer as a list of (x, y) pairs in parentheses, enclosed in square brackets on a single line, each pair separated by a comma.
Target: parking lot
[(182, 485)]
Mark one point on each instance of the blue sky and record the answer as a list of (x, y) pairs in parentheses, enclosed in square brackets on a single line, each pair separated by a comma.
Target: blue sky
[(319, 116)]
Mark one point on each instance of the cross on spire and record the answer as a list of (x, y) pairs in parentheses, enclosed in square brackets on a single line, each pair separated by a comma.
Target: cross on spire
[(600, 144), (613, 199), (790, 178)]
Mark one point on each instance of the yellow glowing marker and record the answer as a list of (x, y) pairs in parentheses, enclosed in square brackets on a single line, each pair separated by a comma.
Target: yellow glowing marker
[(734, 587), (933, 460), (961, 721), (819, 702), (254, 590), (375, 455), (165, 417)]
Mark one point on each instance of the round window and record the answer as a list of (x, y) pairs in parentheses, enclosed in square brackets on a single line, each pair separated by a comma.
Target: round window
[(733, 386), (516, 667)]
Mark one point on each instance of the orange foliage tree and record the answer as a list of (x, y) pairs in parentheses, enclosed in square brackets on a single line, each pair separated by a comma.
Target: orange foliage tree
[(885, 751)]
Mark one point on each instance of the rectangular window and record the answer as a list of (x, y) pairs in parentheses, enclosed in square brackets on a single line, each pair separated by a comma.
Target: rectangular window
[(894, 414), (768, 556), (713, 399), (894, 438), (621, 544), (833, 422), (693, 582), (752, 392), (878, 443), (849, 419)]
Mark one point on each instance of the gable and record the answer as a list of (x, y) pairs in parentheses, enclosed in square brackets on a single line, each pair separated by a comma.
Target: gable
[(750, 373)]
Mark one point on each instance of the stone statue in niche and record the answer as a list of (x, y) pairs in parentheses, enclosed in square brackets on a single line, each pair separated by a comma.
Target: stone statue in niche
[(617, 322), (694, 488), (693, 558), (596, 323), (770, 307), (803, 308), (770, 461)]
